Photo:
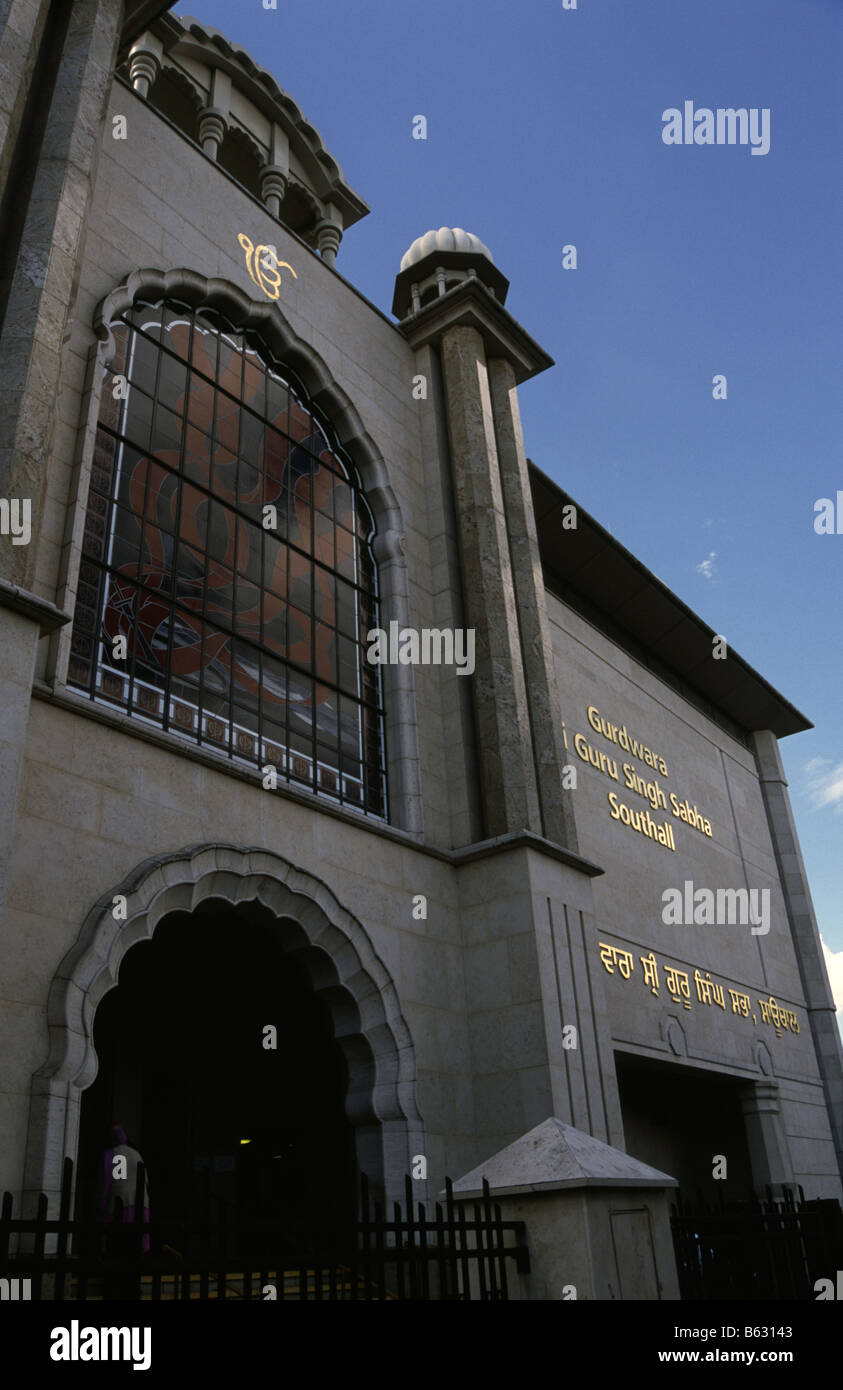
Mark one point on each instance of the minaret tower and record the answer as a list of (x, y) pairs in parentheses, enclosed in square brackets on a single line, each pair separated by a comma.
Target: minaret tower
[(449, 298)]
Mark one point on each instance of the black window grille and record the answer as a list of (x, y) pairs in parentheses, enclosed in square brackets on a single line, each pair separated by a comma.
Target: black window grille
[(227, 542)]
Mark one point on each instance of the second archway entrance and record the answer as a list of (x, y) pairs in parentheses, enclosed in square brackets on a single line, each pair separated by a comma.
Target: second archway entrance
[(187, 1068)]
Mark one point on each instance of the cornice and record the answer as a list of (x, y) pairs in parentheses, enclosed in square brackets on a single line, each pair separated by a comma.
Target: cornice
[(38, 610), (471, 304)]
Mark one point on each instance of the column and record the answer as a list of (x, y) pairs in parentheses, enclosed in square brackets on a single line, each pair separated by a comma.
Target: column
[(804, 929), (19, 636), (145, 57), (536, 642), (275, 174), (508, 785), (273, 188), (213, 118), (766, 1139), (42, 288), (21, 40), (329, 234), (212, 128)]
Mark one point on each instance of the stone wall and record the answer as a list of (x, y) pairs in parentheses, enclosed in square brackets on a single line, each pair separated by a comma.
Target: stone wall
[(718, 774)]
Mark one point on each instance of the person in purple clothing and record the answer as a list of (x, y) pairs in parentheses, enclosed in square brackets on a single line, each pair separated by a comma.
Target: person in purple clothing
[(119, 1183)]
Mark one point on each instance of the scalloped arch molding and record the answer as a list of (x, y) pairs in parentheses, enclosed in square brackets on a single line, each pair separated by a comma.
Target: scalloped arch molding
[(329, 940), (287, 347)]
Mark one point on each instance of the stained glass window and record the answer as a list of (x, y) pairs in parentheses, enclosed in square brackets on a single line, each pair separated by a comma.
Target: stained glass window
[(243, 638)]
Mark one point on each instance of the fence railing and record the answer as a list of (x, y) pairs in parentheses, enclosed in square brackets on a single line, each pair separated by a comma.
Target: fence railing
[(773, 1249), (459, 1251)]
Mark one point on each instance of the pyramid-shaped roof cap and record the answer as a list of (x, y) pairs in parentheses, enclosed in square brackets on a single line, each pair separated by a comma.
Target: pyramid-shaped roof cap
[(555, 1155)]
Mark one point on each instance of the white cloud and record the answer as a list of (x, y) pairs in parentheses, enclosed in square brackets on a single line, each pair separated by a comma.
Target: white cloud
[(706, 567), (825, 782), (834, 966)]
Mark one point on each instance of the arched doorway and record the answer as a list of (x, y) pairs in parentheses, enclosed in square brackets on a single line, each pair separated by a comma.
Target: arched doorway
[(346, 975), (219, 1114)]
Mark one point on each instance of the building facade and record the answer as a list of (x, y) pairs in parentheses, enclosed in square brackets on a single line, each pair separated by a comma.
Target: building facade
[(538, 860)]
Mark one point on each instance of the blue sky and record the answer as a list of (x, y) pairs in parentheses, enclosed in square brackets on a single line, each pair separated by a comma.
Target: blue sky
[(544, 129)]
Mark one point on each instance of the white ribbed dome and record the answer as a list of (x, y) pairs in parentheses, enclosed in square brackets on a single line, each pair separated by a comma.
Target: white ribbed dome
[(446, 239)]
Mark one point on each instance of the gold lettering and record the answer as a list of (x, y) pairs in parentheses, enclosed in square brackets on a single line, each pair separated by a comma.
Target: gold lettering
[(625, 963), (740, 1002), (607, 955), (581, 743), (652, 790), (612, 956), (678, 985), (703, 987), (772, 1013), (651, 972)]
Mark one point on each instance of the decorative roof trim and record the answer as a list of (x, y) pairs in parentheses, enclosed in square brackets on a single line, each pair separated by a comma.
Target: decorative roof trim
[(576, 574), (188, 37)]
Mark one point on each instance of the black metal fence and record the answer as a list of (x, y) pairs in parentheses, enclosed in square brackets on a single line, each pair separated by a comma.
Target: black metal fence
[(775, 1249), (458, 1252)]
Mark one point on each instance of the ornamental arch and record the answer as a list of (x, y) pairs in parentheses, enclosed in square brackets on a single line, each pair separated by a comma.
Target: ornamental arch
[(330, 943), (264, 329)]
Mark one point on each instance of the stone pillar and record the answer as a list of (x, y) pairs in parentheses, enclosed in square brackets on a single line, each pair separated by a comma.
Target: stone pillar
[(403, 773), (766, 1139), (804, 930), (211, 132), (212, 128), (23, 619), (21, 35), (18, 642), (43, 285), (273, 188), (536, 642), (329, 233), (279, 149), (143, 70), (276, 172), (508, 783), (440, 279), (328, 237), (145, 57)]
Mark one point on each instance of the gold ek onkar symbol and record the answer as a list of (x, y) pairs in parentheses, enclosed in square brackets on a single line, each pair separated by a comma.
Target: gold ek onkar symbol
[(264, 266)]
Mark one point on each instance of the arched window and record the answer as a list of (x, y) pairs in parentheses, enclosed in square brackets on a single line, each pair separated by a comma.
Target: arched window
[(227, 541)]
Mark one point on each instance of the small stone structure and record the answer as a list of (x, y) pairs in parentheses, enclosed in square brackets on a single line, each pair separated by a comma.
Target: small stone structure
[(598, 1221)]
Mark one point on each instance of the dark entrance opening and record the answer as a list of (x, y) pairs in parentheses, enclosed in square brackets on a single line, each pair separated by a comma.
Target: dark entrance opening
[(677, 1118), (183, 1068)]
